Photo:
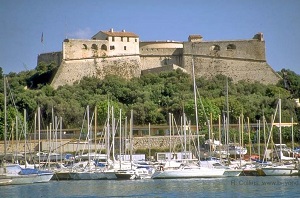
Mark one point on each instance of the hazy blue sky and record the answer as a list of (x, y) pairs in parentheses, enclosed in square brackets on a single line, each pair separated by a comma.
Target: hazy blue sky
[(23, 22)]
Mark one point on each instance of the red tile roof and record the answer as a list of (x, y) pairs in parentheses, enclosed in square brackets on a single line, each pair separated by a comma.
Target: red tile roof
[(120, 34)]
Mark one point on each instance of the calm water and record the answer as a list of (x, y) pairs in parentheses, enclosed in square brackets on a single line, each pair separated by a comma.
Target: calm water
[(225, 187)]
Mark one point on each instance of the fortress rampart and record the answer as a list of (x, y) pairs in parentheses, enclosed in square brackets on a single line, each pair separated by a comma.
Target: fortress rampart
[(121, 53)]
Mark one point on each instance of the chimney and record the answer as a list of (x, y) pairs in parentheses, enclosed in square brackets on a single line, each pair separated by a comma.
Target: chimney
[(123, 30), (111, 30)]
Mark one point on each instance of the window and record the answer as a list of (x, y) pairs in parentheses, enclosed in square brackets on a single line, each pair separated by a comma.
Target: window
[(122, 38), (215, 48), (103, 47), (84, 46), (94, 46), (135, 40), (231, 47), (113, 38), (124, 47), (127, 39), (112, 47)]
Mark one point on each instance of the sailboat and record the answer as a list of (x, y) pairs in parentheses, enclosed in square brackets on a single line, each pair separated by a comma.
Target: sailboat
[(280, 169), (130, 173), (91, 168), (14, 173)]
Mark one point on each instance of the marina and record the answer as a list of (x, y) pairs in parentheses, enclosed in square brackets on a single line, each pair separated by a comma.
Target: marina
[(200, 187)]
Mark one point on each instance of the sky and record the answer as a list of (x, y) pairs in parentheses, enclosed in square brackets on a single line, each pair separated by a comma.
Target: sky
[(22, 24)]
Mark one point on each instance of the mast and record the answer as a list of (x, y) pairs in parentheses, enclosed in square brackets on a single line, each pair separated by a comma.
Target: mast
[(39, 132), (227, 120), (120, 137), (88, 135), (113, 133), (293, 138), (17, 138), (259, 139), (170, 129), (107, 132), (5, 116), (60, 136), (149, 142), (196, 110), (249, 139), (220, 139), (95, 134), (25, 151), (280, 138), (240, 141), (130, 136), (184, 133)]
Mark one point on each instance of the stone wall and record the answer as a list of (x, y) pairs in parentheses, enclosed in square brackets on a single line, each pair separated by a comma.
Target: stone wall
[(160, 54), (240, 49), (161, 142), (250, 71), (152, 142), (51, 57), (72, 71)]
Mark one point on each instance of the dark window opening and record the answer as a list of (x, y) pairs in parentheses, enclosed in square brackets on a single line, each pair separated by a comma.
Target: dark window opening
[(231, 47), (103, 47), (94, 46), (215, 48)]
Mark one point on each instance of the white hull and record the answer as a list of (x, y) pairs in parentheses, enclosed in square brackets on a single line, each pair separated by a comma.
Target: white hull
[(5, 181), (232, 172), (16, 175), (88, 175), (42, 178), (19, 179), (201, 172), (280, 171)]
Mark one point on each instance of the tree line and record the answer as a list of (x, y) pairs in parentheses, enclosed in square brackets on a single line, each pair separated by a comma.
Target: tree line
[(151, 97)]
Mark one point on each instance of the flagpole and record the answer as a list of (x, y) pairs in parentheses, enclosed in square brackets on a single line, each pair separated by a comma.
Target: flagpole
[(42, 41)]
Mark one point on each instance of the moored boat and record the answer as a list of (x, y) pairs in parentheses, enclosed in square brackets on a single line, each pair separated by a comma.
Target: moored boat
[(282, 170), (126, 174)]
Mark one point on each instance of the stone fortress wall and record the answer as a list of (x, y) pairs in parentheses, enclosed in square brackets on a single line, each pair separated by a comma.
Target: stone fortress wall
[(121, 53)]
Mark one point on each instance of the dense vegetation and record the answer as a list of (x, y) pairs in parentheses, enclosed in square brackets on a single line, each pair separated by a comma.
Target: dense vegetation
[(151, 97)]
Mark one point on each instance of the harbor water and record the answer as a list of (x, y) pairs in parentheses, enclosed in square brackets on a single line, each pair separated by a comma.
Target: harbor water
[(242, 186)]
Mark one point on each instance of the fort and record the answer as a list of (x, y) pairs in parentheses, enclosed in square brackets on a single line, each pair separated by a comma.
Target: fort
[(123, 54)]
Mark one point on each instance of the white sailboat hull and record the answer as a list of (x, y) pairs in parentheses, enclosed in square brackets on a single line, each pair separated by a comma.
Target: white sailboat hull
[(19, 179), (87, 175), (42, 178), (201, 172), (280, 171), (232, 172)]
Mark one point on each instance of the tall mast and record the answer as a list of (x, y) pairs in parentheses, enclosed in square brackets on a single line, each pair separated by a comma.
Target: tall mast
[(39, 134), (88, 135), (196, 110), (5, 118), (170, 133), (280, 139), (227, 120), (130, 136), (120, 138), (25, 151)]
